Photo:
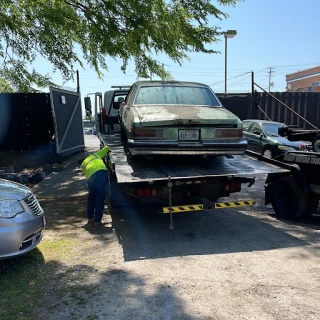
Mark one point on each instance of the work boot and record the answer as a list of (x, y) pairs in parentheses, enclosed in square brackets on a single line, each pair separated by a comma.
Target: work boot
[(90, 220)]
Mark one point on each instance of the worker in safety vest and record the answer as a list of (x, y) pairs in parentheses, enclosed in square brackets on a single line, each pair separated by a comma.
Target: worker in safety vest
[(97, 178)]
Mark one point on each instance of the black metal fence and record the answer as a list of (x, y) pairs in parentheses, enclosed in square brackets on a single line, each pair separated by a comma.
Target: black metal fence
[(237, 103), (306, 104), (25, 121)]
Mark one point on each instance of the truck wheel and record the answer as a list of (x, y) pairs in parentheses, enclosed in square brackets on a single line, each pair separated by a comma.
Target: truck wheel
[(289, 200), (313, 203), (316, 143)]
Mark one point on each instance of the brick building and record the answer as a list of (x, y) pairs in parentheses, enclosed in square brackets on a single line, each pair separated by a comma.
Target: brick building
[(304, 81)]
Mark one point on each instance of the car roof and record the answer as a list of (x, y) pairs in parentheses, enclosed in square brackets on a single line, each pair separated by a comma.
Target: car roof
[(160, 82), (262, 121)]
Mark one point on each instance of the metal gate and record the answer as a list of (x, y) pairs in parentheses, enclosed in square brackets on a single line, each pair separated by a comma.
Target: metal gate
[(67, 117)]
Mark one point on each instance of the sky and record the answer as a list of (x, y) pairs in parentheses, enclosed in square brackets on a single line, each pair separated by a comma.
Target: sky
[(277, 34)]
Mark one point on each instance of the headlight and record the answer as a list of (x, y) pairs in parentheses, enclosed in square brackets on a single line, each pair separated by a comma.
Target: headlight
[(10, 208), (286, 148)]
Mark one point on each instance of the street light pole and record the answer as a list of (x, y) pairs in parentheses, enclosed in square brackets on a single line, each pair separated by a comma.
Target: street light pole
[(225, 63), (227, 34)]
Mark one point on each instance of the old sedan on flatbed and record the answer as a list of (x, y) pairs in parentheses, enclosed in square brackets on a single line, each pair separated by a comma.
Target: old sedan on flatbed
[(171, 117)]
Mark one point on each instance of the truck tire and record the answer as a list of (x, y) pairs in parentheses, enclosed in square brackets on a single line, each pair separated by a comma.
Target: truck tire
[(313, 203), (316, 143), (289, 201)]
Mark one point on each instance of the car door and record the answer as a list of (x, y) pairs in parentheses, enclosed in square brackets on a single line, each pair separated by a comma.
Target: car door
[(124, 109), (254, 137), (245, 127)]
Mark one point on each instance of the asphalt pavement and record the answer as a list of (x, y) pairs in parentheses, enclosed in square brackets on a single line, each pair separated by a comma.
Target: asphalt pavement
[(67, 180)]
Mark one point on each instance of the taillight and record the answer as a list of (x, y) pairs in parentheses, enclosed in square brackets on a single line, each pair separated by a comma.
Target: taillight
[(232, 187), (228, 133), (147, 192), (147, 133)]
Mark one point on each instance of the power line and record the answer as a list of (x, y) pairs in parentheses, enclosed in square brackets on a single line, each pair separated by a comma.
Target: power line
[(230, 78)]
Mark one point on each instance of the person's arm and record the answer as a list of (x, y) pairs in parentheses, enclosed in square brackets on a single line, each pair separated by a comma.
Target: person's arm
[(102, 153)]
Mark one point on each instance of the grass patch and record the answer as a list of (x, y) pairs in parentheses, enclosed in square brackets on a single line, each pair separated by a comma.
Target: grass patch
[(22, 283), (54, 249), (30, 282), (49, 277)]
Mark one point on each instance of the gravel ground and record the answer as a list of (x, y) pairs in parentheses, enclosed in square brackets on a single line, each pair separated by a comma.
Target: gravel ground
[(223, 264)]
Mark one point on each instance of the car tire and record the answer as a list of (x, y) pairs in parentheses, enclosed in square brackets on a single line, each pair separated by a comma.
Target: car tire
[(316, 143), (289, 201), (267, 153)]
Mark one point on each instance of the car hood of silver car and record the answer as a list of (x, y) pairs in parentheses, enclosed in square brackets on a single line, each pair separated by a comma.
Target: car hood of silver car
[(171, 115), (12, 190)]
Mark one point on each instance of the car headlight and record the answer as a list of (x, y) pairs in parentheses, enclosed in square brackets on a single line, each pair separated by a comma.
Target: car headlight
[(10, 208), (286, 148)]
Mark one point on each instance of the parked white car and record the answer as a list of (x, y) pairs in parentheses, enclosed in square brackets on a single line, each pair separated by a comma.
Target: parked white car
[(21, 220)]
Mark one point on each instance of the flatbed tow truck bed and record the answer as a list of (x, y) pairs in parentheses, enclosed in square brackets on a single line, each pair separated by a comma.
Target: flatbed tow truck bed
[(140, 169), (291, 185)]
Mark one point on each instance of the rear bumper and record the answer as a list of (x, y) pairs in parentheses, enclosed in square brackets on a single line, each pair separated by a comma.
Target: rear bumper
[(209, 147)]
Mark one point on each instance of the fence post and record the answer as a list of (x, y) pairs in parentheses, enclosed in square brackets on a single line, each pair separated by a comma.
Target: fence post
[(253, 98)]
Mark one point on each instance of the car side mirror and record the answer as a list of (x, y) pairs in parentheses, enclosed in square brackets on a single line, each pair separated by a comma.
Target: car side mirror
[(87, 103)]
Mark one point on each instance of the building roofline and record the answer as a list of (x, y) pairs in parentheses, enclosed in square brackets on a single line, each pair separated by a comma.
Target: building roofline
[(302, 70)]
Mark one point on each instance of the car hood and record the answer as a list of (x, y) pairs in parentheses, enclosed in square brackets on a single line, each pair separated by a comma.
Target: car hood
[(160, 115), (12, 190), (286, 142)]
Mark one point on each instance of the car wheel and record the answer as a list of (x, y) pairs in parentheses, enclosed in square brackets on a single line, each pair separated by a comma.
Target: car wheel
[(288, 199), (316, 143), (267, 153)]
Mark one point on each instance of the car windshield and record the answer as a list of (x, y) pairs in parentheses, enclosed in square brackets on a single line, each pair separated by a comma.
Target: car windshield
[(197, 96), (271, 129)]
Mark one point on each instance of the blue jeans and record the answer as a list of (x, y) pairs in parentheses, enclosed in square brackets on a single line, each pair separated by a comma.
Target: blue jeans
[(98, 185)]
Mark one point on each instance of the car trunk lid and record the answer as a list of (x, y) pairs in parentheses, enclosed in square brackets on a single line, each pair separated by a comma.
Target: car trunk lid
[(159, 115)]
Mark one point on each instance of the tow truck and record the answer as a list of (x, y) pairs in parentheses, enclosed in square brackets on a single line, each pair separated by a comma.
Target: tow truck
[(182, 184)]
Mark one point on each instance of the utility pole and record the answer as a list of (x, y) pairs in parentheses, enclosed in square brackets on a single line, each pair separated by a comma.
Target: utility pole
[(270, 73), (78, 82)]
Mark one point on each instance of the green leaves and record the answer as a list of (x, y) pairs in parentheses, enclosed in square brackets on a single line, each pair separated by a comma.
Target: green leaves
[(125, 29), (5, 87)]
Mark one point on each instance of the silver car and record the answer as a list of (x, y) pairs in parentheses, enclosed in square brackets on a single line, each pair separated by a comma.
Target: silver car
[(21, 220)]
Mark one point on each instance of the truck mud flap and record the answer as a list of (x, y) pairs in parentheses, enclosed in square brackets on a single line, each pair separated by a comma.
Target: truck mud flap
[(201, 207), (234, 204), (186, 208)]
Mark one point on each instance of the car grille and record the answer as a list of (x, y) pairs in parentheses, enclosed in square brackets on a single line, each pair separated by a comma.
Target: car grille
[(34, 205)]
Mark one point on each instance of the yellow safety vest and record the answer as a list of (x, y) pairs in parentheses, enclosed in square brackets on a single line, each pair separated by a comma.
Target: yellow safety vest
[(94, 162)]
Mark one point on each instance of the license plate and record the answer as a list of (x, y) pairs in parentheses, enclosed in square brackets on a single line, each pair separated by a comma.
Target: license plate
[(188, 135)]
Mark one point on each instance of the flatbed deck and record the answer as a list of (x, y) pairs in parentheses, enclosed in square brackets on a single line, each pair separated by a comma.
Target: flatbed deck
[(141, 169)]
